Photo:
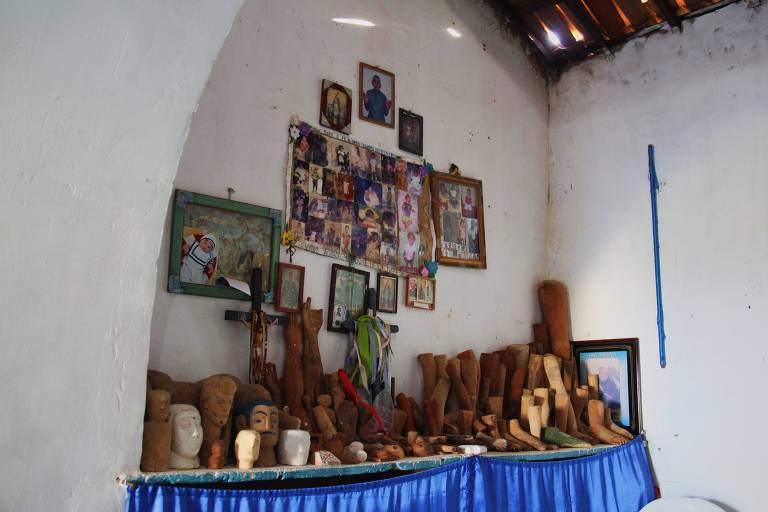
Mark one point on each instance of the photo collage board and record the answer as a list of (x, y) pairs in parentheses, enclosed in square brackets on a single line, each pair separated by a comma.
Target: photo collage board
[(350, 200)]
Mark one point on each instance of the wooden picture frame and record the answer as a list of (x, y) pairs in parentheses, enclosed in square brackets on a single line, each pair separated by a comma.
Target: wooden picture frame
[(616, 361), (289, 296), (366, 74), (386, 292), (336, 107), (252, 231), (347, 297), (410, 132), (457, 212), (420, 292)]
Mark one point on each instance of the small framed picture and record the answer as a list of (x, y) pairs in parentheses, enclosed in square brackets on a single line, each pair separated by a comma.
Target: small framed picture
[(615, 362), (386, 292), (347, 295), (377, 95), (290, 288), (420, 292), (457, 212), (336, 107), (411, 132)]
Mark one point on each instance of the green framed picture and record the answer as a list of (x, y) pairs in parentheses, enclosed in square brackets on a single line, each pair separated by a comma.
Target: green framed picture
[(212, 237)]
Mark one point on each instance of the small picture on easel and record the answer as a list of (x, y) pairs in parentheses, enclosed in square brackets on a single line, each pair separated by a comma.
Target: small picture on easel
[(290, 288), (420, 292)]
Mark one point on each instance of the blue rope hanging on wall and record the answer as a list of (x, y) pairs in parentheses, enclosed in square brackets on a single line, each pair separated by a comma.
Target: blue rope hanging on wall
[(654, 182)]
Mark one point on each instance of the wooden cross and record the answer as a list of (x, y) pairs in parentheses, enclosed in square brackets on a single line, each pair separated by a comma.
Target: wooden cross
[(258, 322)]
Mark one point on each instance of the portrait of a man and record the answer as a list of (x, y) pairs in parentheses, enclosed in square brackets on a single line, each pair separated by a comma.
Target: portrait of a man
[(377, 95)]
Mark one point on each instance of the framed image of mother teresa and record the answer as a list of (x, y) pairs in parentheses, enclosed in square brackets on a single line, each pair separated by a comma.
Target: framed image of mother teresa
[(377, 95), (213, 237)]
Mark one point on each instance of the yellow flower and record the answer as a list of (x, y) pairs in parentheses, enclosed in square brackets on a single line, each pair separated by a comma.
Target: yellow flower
[(287, 237)]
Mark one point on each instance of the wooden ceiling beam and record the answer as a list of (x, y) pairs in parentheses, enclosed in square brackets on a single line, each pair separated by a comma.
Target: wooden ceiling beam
[(532, 6), (583, 17), (672, 18), (512, 17)]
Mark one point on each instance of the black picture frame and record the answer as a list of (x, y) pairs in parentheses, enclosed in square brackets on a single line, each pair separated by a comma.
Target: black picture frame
[(620, 382), (381, 304), (410, 132), (352, 299)]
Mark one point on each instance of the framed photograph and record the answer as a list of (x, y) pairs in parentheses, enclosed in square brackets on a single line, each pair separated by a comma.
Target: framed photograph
[(420, 292), (386, 292), (377, 95), (290, 288), (347, 297), (616, 364), (411, 132), (212, 237), (336, 107), (457, 212)]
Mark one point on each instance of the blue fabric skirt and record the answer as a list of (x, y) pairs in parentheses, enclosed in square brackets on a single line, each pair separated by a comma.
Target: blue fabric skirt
[(617, 480)]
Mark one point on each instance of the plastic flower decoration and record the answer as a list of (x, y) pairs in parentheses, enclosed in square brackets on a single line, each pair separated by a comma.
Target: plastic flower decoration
[(287, 238), (431, 267)]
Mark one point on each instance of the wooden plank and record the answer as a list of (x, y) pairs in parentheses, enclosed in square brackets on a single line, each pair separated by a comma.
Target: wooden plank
[(672, 18)]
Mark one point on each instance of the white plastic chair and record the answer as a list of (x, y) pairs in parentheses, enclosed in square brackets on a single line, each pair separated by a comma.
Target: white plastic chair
[(680, 504)]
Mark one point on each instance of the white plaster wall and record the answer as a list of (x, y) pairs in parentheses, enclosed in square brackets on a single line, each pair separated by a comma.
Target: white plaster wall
[(701, 97), (95, 98), (484, 109)]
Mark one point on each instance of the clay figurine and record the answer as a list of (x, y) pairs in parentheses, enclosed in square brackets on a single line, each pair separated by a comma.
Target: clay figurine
[(247, 448), (293, 448), (311, 321), (156, 443), (216, 397), (293, 377), (596, 412), (354, 453), (265, 420), (186, 438), (419, 446), (216, 460)]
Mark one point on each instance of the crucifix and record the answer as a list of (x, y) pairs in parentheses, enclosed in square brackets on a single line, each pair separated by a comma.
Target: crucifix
[(259, 323)]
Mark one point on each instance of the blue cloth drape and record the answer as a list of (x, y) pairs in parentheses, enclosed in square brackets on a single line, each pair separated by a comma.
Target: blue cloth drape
[(616, 480)]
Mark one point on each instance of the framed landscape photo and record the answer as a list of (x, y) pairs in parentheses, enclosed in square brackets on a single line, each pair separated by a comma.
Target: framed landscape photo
[(410, 132), (290, 288), (420, 292), (386, 292), (347, 295), (212, 237), (336, 107), (377, 95), (457, 212), (616, 364)]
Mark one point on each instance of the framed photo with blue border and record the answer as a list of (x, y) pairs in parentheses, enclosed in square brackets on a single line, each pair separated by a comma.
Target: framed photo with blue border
[(213, 237), (616, 362)]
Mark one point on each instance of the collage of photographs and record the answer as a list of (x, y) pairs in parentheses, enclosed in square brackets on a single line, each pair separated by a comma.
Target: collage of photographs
[(350, 200), (460, 228)]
